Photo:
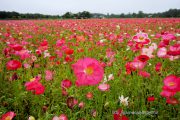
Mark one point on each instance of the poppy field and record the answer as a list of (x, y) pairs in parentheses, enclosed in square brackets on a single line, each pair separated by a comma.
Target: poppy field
[(92, 69)]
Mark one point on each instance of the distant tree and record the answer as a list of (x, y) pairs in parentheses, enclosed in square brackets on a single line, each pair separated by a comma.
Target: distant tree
[(68, 15), (140, 14)]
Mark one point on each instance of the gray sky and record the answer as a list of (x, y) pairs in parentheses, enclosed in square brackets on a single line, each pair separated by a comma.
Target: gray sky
[(59, 7)]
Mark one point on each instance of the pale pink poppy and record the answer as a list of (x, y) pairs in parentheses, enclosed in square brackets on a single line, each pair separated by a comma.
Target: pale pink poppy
[(162, 52), (141, 38), (49, 75), (104, 87), (63, 117), (148, 52)]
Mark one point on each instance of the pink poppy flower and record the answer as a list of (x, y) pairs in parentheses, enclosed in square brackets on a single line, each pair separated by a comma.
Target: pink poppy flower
[(167, 94), (23, 54), (66, 83), (60, 42), (104, 87), (162, 52), (81, 105), (88, 72), (174, 50), (89, 95), (144, 74), (63, 117), (172, 83), (35, 86), (49, 75), (168, 36), (8, 116), (13, 65), (110, 53), (137, 65), (71, 102), (172, 101), (141, 38)]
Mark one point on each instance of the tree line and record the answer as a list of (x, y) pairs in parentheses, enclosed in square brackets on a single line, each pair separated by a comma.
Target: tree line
[(85, 14)]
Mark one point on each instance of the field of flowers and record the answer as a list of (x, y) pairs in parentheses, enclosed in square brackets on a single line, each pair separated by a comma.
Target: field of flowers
[(94, 69)]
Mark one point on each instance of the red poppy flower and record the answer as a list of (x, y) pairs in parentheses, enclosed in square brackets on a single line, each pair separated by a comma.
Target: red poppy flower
[(158, 66), (143, 58), (13, 65), (17, 47), (69, 51), (66, 83), (8, 116), (150, 98), (118, 115)]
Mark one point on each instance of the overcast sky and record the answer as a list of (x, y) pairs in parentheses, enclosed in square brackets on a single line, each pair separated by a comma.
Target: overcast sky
[(59, 7)]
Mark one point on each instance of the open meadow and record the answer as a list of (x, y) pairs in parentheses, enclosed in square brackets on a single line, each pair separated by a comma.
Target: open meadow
[(90, 69)]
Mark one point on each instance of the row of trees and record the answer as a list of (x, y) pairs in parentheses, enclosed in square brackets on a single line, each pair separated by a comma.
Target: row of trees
[(170, 13), (86, 14), (16, 15)]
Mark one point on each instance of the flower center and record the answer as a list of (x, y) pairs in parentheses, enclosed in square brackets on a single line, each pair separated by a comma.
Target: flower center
[(141, 38), (171, 83), (89, 70), (8, 118)]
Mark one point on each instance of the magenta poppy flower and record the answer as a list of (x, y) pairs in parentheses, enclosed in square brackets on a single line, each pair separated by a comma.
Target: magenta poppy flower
[(158, 66), (167, 93), (35, 86), (168, 36), (13, 65), (172, 83), (8, 116), (23, 54), (88, 72)]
